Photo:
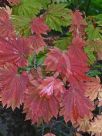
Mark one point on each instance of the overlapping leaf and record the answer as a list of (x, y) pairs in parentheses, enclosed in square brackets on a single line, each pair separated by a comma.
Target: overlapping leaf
[(74, 61), (37, 43), (63, 42), (6, 27), (94, 43), (40, 107), (38, 26), (27, 8), (94, 33), (95, 127), (78, 59), (58, 61), (75, 105), (21, 24), (12, 85), (57, 16), (14, 51), (51, 86), (78, 24), (84, 124), (93, 87)]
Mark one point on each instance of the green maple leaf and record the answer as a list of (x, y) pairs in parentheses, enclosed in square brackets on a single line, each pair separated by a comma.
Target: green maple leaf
[(58, 16), (90, 53), (63, 42), (93, 33), (21, 25), (27, 8)]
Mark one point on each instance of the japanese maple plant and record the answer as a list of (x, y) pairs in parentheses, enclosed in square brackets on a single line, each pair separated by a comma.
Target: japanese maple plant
[(45, 55)]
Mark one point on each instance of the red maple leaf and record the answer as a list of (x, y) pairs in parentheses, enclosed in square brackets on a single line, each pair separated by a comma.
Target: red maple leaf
[(12, 86), (37, 43), (74, 61), (38, 26), (51, 86), (3, 15), (75, 80), (15, 51), (6, 27), (78, 24), (58, 61), (75, 105), (78, 58), (38, 105)]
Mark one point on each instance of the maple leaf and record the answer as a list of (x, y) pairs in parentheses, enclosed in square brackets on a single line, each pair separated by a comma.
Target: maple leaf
[(76, 50), (96, 126), (78, 24), (93, 87), (27, 8), (78, 82), (21, 24), (38, 26), (38, 106), (51, 86), (94, 43), (3, 15), (6, 27), (14, 51), (78, 58), (12, 86), (77, 18), (90, 53), (58, 61), (93, 33), (75, 105), (84, 124), (37, 43), (74, 61), (57, 16), (62, 43)]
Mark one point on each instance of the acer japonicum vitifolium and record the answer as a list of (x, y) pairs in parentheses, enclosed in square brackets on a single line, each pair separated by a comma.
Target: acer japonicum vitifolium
[(22, 80)]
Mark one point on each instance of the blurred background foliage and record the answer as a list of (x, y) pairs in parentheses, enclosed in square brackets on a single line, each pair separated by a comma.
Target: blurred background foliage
[(90, 7)]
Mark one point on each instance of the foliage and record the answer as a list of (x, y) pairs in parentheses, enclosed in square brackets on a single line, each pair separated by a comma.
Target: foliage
[(57, 16), (47, 61)]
